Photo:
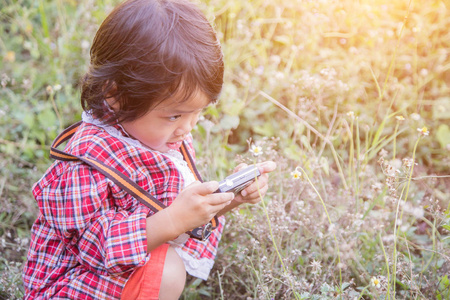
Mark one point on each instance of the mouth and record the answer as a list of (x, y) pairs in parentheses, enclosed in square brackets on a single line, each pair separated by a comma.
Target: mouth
[(174, 145)]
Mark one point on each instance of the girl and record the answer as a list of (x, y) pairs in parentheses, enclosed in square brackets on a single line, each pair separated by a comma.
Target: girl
[(155, 65)]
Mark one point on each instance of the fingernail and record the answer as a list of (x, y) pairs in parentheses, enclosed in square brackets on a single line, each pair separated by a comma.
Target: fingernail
[(213, 185), (244, 193)]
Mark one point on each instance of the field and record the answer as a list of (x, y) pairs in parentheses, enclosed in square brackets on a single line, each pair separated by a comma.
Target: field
[(351, 99)]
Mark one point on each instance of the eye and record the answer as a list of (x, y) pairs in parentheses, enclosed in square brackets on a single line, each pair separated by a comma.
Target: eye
[(174, 118)]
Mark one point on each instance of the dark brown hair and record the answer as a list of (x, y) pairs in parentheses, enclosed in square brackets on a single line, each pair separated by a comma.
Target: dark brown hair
[(146, 51)]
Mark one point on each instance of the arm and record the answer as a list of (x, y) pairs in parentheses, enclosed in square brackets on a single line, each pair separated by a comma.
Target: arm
[(196, 205), (93, 219), (251, 194)]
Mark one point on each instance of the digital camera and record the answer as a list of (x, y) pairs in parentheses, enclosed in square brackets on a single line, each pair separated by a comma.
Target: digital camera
[(238, 181)]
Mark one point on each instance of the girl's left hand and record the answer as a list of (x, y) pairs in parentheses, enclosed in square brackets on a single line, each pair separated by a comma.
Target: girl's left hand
[(251, 194)]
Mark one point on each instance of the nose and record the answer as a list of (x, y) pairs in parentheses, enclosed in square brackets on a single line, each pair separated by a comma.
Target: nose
[(186, 126)]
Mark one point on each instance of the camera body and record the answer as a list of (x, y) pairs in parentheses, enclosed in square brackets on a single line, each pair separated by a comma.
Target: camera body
[(238, 181)]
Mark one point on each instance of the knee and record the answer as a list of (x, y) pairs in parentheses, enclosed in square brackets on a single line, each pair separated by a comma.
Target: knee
[(173, 276)]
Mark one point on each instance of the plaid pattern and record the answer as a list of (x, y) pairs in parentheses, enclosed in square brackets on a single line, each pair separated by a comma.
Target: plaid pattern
[(91, 235)]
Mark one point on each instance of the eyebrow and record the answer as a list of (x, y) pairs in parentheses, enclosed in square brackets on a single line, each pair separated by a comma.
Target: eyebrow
[(180, 111)]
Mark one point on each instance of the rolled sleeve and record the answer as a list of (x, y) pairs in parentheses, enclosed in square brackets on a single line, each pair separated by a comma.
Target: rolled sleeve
[(100, 224), (115, 242)]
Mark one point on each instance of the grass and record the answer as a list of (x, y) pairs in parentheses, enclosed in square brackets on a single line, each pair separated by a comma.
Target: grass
[(334, 89)]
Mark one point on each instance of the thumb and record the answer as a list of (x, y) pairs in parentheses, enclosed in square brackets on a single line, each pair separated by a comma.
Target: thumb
[(204, 188), (267, 166)]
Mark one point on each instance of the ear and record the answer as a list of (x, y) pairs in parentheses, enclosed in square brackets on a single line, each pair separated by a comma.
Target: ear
[(112, 101)]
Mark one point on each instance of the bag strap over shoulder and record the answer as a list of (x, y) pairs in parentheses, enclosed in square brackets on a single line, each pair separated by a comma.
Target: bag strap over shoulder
[(131, 187)]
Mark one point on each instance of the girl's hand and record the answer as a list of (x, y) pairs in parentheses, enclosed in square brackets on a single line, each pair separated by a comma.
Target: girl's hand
[(196, 205), (251, 194)]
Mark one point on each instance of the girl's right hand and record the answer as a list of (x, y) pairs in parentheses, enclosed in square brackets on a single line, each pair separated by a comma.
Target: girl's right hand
[(196, 205)]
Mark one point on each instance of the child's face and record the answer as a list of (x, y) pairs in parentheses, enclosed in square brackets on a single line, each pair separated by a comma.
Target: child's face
[(166, 126)]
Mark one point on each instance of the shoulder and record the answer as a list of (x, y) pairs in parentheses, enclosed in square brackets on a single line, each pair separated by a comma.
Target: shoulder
[(150, 170), (96, 143)]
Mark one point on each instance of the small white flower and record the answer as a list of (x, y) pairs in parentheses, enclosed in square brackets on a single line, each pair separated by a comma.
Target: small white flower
[(316, 266), (423, 72), (84, 44), (256, 150), (279, 75), (415, 116), (383, 153), (296, 174), (423, 131), (49, 89), (375, 282), (57, 87)]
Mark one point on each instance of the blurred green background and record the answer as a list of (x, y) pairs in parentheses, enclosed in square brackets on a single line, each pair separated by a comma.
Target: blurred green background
[(338, 88)]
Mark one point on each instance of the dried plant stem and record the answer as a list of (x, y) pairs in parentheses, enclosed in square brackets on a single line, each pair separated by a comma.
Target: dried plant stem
[(329, 220), (395, 141), (351, 150), (325, 139), (266, 213), (401, 214), (55, 108), (387, 266)]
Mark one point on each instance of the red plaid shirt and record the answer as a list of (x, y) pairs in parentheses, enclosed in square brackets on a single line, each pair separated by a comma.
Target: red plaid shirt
[(90, 235)]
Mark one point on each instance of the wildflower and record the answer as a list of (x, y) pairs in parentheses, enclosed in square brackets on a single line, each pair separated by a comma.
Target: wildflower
[(259, 70), (415, 116), (57, 87), (316, 266), (383, 153), (49, 89), (408, 162), (296, 174), (423, 131), (423, 72), (390, 171), (10, 56), (84, 44), (400, 118), (279, 75), (256, 150), (351, 114), (375, 282)]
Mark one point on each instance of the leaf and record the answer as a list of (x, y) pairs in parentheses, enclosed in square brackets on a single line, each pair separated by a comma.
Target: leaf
[(325, 166), (265, 130), (345, 285), (443, 135), (47, 119), (227, 122), (283, 39), (293, 152), (305, 142), (441, 108)]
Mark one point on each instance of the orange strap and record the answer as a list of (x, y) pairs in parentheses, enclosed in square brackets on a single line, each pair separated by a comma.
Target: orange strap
[(132, 188)]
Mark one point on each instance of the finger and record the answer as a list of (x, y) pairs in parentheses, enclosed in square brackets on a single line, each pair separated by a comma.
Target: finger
[(220, 198), (267, 166), (256, 196), (240, 167), (258, 183), (204, 188)]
